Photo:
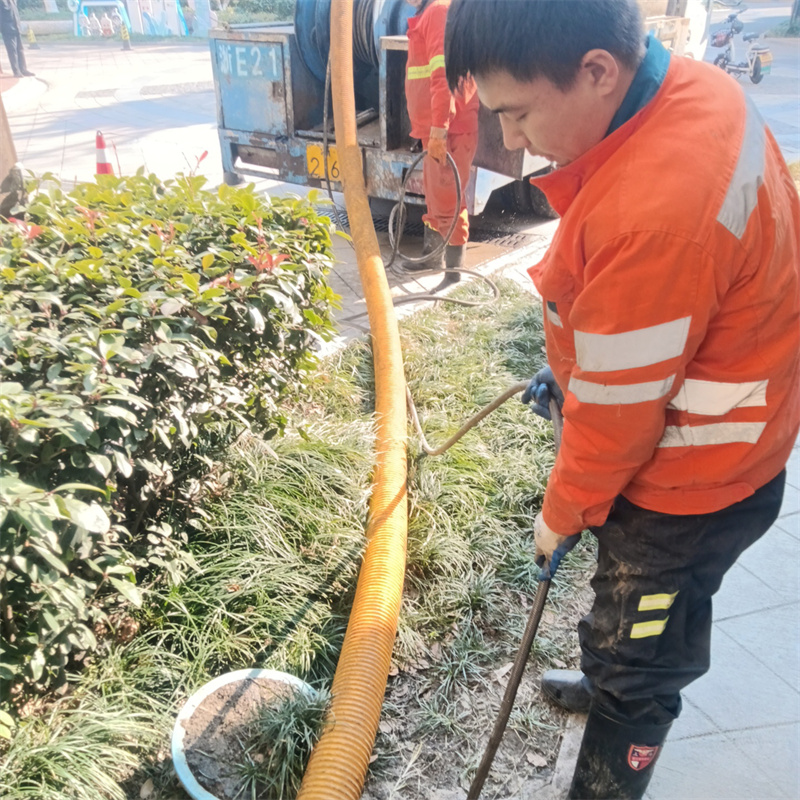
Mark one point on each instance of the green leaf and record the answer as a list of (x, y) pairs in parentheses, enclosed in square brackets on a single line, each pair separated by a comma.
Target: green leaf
[(184, 368), (87, 515), (257, 319), (36, 664), (112, 308), (10, 388), (128, 590), (77, 487), (100, 463), (117, 412), (52, 559), (123, 464)]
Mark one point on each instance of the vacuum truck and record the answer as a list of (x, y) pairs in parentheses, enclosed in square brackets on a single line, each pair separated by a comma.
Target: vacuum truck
[(272, 109)]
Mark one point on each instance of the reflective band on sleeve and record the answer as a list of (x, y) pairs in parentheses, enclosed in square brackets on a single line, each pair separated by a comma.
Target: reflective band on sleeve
[(425, 71), (742, 195), (656, 602), (600, 352), (588, 392), (641, 630), (715, 398), (718, 433), (415, 73), (552, 314)]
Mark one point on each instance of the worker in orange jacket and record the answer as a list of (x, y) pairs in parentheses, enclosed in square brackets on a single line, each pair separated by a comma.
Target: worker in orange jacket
[(671, 296), (445, 122)]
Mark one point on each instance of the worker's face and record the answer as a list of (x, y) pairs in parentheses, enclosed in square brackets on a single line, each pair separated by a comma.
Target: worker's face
[(415, 3), (559, 125)]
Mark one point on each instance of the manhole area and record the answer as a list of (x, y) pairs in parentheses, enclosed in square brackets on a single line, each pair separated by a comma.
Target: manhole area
[(416, 229), (178, 88), (97, 93)]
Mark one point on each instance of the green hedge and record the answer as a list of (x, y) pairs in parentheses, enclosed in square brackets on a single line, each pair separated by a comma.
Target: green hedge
[(142, 325), (282, 10)]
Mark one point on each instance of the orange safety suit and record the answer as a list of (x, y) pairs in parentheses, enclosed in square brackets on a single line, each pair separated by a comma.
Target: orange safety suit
[(431, 105), (672, 307)]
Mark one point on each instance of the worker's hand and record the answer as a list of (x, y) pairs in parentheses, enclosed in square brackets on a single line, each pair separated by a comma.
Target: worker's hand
[(437, 145), (541, 390), (551, 547)]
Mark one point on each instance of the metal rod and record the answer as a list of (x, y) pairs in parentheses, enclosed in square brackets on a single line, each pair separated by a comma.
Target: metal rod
[(520, 662)]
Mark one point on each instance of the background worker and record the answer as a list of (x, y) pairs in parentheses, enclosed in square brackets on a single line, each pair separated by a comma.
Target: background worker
[(444, 123), (672, 319), (10, 29)]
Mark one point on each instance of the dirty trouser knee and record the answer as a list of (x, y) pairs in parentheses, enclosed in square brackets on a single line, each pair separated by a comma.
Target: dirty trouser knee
[(648, 633), (440, 187)]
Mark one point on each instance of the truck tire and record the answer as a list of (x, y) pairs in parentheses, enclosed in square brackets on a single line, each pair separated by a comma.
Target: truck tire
[(232, 178), (522, 197), (540, 205)]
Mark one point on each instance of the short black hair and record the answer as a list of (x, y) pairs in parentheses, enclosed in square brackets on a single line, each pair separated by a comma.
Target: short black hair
[(533, 38)]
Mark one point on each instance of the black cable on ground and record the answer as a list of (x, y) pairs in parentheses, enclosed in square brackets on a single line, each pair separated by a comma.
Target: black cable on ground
[(396, 238), (400, 206)]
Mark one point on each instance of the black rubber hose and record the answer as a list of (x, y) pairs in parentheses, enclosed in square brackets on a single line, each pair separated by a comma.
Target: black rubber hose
[(399, 209)]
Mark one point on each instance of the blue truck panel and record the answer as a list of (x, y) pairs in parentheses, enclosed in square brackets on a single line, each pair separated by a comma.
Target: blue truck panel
[(251, 79)]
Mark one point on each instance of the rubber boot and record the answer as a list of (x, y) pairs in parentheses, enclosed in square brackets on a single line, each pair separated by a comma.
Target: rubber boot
[(568, 688), (453, 259), (616, 759), (431, 242)]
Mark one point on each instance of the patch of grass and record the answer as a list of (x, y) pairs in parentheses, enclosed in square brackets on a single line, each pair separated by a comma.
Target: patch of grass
[(80, 749), (784, 30), (277, 745), (462, 662), (439, 715), (277, 559)]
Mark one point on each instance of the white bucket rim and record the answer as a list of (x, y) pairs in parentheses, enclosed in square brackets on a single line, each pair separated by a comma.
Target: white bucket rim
[(187, 779)]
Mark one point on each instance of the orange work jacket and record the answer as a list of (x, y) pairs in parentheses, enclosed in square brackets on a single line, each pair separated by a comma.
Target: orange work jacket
[(430, 103), (672, 307)]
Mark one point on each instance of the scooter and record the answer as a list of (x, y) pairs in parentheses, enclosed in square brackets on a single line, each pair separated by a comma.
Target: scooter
[(759, 56)]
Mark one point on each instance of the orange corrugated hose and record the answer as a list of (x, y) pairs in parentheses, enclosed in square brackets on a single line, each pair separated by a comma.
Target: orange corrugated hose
[(338, 764)]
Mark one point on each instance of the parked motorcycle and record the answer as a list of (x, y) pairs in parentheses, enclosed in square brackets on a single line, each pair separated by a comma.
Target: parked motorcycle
[(759, 56)]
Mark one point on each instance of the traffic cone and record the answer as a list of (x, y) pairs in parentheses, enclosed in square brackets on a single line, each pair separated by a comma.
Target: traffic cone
[(125, 36), (103, 164), (32, 43)]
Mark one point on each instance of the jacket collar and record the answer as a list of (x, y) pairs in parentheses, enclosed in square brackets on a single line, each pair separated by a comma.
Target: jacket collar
[(646, 82)]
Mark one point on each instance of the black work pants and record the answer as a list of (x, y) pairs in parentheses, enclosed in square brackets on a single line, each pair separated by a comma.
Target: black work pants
[(12, 39), (648, 634)]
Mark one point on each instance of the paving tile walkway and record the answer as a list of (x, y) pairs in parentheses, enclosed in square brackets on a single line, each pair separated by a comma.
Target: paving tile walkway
[(739, 735)]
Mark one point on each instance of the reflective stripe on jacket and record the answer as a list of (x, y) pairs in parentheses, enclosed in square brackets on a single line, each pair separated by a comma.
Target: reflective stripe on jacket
[(672, 307), (430, 103)]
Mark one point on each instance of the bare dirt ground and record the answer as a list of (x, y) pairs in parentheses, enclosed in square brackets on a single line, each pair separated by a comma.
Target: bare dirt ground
[(428, 750)]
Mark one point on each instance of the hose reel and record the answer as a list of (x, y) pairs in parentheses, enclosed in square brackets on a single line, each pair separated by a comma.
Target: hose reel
[(372, 19)]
